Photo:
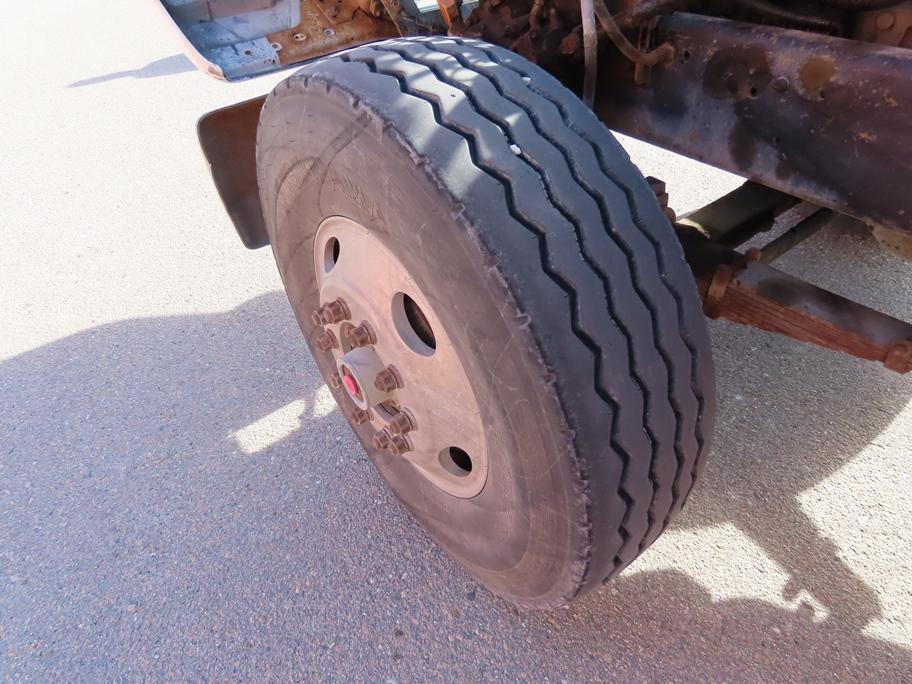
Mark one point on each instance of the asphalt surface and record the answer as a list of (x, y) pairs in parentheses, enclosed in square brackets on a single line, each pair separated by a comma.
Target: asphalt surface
[(180, 499)]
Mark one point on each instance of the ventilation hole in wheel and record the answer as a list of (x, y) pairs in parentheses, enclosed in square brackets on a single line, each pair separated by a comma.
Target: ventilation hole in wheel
[(456, 461), (331, 254), (412, 325)]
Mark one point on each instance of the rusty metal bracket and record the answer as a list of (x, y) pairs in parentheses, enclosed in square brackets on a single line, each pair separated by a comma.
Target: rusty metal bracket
[(660, 55), (715, 291)]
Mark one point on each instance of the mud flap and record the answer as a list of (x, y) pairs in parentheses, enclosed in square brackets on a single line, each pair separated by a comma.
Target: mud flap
[(228, 139)]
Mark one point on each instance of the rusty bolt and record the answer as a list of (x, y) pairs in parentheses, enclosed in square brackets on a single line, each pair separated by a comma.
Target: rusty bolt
[(316, 318), (401, 423), (899, 356), (382, 439), (335, 311), (387, 380), (335, 381), (326, 341), (359, 416), (885, 21), (361, 336), (399, 445), (570, 44)]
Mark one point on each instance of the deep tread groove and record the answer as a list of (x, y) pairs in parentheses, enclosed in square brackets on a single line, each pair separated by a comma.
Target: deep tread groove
[(637, 281), (663, 269)]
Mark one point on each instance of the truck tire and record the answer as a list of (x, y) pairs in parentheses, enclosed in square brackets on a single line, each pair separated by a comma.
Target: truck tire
[(444, 201)]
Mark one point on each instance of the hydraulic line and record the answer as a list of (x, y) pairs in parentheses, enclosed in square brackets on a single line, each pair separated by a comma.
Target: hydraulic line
[(590, 51)]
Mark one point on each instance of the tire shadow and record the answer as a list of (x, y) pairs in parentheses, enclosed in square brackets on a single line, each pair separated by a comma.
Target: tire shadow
[(791, 416), (179, 500)]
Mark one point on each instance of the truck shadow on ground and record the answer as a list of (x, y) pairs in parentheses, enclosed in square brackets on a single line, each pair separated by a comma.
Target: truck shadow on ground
[(140, 537), (166, 66)]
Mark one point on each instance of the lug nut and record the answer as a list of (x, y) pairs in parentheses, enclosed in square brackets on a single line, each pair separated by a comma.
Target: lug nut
[(382, 439), (885, 21), (361, 336), (316, 318), (401, 423), (387, 380), (335, 311), (359, 416), (335, 381), (399, 445), (326, 341)]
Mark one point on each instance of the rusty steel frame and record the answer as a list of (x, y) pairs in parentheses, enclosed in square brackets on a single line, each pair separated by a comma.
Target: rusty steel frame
[(824, 119), (804, 116)]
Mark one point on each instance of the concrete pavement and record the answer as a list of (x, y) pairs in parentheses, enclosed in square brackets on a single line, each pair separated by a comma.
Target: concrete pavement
[(180, 499)]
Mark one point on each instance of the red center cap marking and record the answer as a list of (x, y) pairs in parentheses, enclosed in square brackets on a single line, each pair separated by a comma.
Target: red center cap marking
[(351, 385)]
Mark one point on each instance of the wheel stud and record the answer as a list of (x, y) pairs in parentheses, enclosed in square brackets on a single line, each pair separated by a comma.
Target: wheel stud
[(401, 423), (382, 439), (334, 312), (335, 381), (387, 380), (361, 336), (326, 341), (359, 416), (399, 445)]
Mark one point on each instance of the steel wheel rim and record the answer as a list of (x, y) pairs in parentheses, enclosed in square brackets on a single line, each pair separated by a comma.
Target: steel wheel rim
[(377, 322)]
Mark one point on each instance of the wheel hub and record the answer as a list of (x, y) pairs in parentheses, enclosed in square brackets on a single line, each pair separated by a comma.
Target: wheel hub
[(400, 371), (359, 369), (352, 386)]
